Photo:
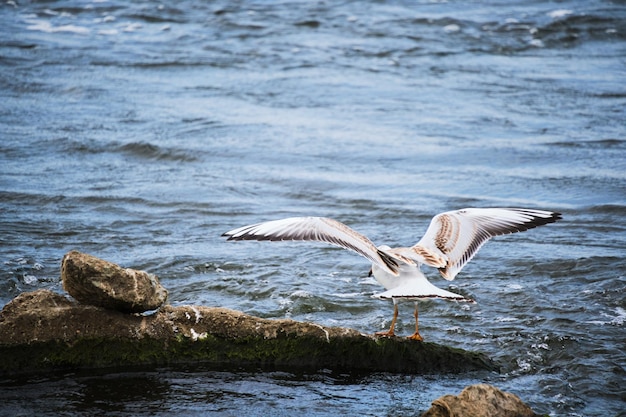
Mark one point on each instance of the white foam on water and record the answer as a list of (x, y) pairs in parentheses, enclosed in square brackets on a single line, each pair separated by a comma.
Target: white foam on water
[(556, 14), (47, 27)]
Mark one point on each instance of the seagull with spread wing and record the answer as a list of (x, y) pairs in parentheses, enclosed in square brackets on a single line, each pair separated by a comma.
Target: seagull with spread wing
[(451, 241)]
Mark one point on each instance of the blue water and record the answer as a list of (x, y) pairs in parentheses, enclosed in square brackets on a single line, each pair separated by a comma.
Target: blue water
[(140, 131)]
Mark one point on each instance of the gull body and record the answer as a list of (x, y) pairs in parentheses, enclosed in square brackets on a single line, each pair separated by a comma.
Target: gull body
[(409, 285), (451, 241)]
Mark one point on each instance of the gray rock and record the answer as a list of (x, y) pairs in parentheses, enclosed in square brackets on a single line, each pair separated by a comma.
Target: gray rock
[(480, 400), (96, 282)]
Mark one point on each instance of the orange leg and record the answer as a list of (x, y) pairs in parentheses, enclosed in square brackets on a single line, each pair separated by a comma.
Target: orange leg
[(416, 335), (391, 333)]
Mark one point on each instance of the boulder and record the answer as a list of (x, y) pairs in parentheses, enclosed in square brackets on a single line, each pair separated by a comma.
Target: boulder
[(43, 330), (97, 282), (480, 400)]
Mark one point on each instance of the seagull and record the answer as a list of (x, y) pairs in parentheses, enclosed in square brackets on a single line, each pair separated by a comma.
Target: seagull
[(451, 241)]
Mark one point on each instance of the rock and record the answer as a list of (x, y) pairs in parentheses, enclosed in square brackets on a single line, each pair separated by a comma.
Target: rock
[(96, 282), (42, 331), (480, 400)]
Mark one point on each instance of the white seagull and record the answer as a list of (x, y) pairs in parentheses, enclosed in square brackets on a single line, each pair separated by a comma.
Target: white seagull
[(451, 241)]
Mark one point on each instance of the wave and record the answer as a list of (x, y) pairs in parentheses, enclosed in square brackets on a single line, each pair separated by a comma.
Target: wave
[(555, 29), (38, 200), (609, 143), (150, 151), (136, 149), (574, 28), (617, 210)]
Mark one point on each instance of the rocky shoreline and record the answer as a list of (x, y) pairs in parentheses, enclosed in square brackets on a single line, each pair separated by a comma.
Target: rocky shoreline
[(106, 325)]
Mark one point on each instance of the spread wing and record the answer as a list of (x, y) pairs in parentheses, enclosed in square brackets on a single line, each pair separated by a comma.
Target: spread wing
[(454, 237), (320, 229)]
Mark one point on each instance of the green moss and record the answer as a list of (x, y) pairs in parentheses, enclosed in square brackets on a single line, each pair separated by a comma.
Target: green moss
[(360, 354)]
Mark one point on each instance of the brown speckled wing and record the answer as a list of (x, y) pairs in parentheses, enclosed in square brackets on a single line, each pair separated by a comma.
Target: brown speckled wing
[(454, 237)]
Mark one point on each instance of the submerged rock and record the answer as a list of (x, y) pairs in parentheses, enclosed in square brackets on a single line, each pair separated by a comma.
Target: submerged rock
[(43, 330), (480, 400), (96, 282)]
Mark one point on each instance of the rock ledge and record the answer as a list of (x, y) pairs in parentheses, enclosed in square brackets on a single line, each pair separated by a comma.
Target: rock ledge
[(43, 330)]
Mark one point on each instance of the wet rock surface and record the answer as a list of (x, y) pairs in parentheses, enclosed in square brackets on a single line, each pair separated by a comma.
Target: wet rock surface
[(97, 282), (480, 400), (43, 330)]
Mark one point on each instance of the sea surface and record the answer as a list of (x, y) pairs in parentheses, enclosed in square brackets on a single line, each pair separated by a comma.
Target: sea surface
[(140, 131)]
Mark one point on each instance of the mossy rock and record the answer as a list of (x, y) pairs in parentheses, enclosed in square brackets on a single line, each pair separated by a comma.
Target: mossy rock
[(43, 331)]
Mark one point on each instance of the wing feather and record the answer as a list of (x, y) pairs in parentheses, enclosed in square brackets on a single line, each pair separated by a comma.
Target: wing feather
[(453, 238), (320, 229)]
